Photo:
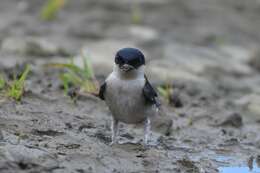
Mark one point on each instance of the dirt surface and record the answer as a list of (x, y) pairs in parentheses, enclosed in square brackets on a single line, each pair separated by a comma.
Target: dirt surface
[(206, 49)]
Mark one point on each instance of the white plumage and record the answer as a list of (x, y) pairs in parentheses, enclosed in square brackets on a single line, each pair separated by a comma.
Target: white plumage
[(124, 96)]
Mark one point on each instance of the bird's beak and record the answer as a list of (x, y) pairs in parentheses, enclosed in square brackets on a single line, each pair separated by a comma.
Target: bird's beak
[(126, 67)]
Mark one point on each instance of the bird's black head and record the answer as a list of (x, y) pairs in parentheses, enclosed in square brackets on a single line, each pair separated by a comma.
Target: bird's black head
[(129, 59)]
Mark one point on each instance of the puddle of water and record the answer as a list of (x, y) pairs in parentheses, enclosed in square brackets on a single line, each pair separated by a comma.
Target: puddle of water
[(240, 169), (223, 158)]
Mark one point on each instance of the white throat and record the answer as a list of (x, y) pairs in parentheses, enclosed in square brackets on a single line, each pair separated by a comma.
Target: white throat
[(133, 74)]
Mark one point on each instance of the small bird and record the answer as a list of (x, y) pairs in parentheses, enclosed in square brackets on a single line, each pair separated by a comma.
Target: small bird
[(128, 93)]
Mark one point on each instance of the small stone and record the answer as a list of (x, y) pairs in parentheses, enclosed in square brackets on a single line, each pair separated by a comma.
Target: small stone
[(162, 124), (1, 136), (88, 125), (103, 137), (33, 47), (128, 136), (188, 165), (175, 100), (94, 31), (146, 163), (73, 93), (258, 160), (254, 105), (230, 142), (68, 125), (48, 132), (182, 114), (233, 120), (80, 170), (68, 146), (255, 60), (143, 33), (250, 162)]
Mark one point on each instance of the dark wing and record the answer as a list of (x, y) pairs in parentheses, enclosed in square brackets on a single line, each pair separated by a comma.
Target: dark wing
[(150, 94), (102, 91)]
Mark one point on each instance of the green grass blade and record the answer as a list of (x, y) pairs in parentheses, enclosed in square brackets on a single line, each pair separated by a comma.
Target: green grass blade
[(136, 15), (87, 68), (65, 79), (24, 74), (51, 8), (16, 88), (70, 66), (162, 91), (2, 82)]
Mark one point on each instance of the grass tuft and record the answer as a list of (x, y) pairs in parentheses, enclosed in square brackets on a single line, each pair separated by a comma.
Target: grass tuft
[(2, 82), (15, 88), (136, 15), (78, 77), (51, 8), (166, 92)]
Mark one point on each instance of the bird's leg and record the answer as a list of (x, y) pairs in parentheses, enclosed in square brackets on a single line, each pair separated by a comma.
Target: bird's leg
[(114, 130), (147, 128)]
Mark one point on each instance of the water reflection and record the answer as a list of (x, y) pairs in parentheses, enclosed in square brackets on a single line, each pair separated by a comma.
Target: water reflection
[(252, 167)]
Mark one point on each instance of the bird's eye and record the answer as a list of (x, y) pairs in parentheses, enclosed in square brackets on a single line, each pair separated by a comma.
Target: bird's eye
[(135, 62), (119, 60)]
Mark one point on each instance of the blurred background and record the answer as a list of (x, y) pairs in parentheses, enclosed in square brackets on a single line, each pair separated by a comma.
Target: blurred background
[(209, 42), (203, 56), (184, 36)]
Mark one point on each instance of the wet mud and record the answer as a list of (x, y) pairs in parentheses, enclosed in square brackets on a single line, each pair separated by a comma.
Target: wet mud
[(205, 50)]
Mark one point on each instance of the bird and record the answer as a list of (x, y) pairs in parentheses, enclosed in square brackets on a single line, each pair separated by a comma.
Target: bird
[(128, 94)]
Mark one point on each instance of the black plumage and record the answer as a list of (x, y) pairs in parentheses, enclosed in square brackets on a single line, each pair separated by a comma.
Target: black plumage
[(131, 56), (150, 94), (102, 90)]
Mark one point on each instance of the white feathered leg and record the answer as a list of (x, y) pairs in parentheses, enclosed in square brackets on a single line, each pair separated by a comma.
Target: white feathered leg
[(147, 128), (114, 130)]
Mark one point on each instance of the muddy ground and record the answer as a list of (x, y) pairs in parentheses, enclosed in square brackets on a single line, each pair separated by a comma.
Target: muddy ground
[(206, 49)]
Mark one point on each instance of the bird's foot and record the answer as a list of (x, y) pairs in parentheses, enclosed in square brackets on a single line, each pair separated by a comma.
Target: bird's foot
[(145, 146), (147, 128), (113, 143)]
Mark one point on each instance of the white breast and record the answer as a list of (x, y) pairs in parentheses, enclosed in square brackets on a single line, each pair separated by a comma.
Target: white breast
[(125, 98)]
